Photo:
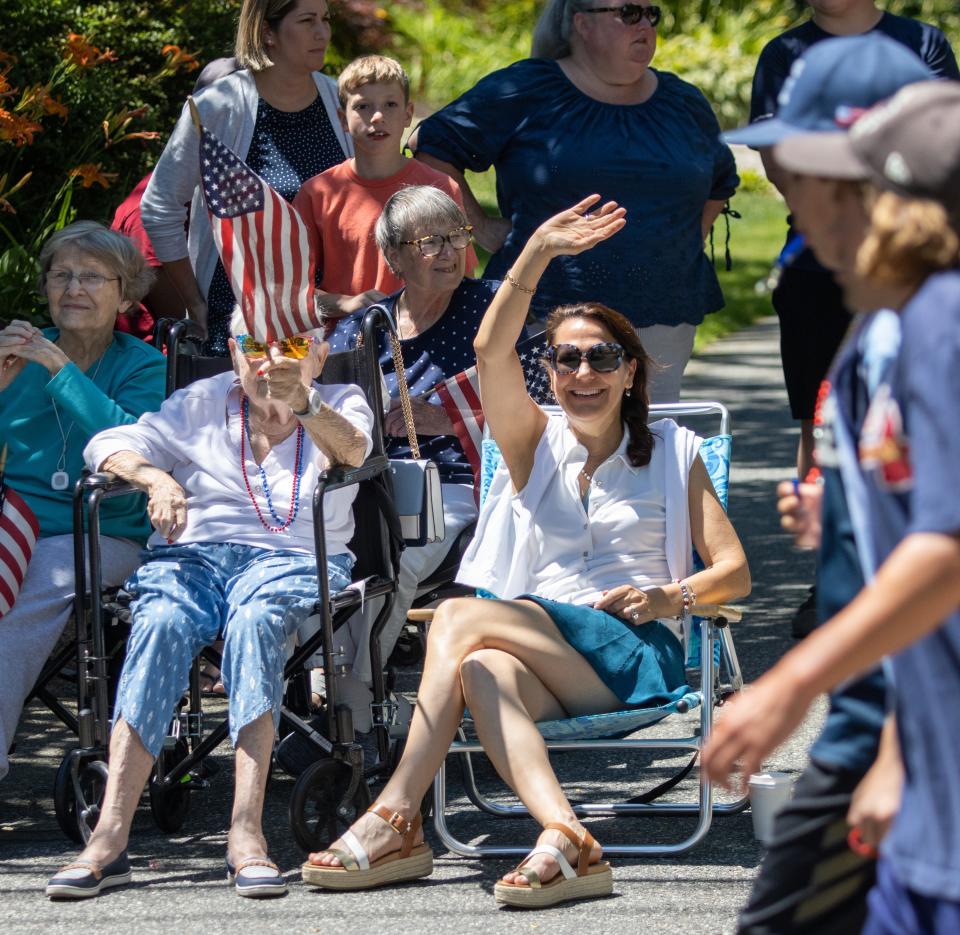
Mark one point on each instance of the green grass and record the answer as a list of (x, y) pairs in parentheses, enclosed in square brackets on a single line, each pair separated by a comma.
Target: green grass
[(755, 240)]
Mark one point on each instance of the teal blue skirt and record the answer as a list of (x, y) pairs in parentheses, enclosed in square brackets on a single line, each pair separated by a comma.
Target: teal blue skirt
[(642, 665)]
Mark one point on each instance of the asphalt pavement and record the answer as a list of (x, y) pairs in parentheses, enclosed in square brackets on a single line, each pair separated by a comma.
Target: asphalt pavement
[(179, 880)]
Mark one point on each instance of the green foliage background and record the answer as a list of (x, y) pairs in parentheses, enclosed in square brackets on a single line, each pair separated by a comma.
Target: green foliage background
[(446, 46)]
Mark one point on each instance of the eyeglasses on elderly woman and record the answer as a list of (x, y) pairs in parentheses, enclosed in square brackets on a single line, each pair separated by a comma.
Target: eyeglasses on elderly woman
[(603, 358), (61, 279), (295, 348), (432, 245), (630, 13)]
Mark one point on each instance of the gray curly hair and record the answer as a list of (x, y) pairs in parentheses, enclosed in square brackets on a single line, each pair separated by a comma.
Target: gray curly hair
[(116, 251)]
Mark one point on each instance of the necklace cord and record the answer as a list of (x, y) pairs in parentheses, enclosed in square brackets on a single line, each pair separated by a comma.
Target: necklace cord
[(282, 525)]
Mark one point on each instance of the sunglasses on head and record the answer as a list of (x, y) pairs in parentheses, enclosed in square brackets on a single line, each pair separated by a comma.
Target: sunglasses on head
[(296, 347), (603, 358), (630, 13)]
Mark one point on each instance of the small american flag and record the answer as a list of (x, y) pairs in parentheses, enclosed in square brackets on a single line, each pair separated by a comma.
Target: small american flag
[(460, 397), (262, 241), (18, 537)]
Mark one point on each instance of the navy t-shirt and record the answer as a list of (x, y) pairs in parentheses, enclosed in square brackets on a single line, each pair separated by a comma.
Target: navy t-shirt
[(910, 453), (778, 56), (442, 351), (553, 145)]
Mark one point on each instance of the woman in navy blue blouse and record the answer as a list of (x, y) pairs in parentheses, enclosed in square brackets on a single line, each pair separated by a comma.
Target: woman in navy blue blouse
[(587, 114)]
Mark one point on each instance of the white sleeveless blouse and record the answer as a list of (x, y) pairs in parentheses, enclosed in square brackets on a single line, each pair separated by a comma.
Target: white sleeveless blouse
[(543, 541)]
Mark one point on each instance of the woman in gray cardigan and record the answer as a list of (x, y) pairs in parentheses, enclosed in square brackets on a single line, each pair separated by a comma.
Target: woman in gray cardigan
[(278, 114)]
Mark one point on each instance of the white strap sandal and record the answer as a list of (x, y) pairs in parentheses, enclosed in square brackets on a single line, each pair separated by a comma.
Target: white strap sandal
[(358, 872), (587, 881)]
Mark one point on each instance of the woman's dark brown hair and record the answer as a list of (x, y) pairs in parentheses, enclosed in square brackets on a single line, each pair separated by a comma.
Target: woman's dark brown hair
[(636, 402)]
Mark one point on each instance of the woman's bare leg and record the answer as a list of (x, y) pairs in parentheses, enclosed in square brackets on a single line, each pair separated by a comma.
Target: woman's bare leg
[(505, 699), (460, 627)]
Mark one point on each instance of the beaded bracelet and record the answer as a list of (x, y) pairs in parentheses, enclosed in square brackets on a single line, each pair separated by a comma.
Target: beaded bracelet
[(517, 285), (689, 597)]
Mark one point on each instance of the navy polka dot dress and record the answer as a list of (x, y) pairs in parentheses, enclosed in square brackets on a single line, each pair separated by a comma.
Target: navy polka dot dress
[(287, 149)]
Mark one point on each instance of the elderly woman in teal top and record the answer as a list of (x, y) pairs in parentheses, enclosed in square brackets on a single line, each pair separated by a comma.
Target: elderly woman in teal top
[(58, 388)]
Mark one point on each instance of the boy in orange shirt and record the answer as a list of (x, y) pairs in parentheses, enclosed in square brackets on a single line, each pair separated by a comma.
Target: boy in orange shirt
[(341, 206)]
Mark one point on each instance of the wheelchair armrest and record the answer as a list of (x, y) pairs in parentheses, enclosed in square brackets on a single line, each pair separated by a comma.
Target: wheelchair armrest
[(339, 476), (107, 483)]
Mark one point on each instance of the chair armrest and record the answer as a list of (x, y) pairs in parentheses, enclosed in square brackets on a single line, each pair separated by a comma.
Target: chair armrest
[(108, 484), (712, 611), (339, 476), (730, 614)]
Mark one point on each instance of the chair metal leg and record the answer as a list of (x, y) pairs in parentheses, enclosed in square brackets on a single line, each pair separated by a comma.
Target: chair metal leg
[(703, 807)]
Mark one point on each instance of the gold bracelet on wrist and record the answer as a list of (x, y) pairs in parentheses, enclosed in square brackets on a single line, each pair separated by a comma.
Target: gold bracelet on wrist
[(517, 285)]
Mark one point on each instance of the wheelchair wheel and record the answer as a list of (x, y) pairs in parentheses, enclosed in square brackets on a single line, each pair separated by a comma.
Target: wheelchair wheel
[(170, 804), (318, 812), (77, 819)]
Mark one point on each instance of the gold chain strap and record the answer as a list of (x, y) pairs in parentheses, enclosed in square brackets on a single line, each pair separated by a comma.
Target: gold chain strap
[(404, 396), (401, 373)]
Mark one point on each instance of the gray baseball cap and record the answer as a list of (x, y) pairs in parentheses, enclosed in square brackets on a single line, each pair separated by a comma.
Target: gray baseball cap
[(909, 144)]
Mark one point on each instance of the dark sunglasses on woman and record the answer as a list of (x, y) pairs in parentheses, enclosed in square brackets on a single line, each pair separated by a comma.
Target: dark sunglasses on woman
[(630, 13), (603, 358)]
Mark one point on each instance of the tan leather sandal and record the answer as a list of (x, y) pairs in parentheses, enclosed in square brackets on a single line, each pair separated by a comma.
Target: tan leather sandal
[(587, 881), (358, 872)]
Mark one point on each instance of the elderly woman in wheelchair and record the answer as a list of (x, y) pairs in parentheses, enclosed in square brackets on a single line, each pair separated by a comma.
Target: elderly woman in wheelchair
[(589, 528), (226, 464)]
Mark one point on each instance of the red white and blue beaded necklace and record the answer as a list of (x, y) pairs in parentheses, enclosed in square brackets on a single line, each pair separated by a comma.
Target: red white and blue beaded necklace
[(282, 525)]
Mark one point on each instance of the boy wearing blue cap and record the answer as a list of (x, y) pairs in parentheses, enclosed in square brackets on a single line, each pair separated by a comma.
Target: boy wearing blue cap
[(809, 877), (906, 441), (808, 302)]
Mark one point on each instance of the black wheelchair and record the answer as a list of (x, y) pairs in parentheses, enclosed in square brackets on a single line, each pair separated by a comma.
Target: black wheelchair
[(334, 790)]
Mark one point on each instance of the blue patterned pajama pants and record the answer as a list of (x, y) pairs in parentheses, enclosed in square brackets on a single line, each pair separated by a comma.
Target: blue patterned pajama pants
[(187, 596)]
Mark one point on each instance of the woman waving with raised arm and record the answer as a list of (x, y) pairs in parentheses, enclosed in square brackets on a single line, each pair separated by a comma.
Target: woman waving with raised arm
[(587, 534)]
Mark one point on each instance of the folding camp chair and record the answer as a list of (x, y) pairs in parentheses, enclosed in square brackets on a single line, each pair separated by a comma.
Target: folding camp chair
[(710, 654)]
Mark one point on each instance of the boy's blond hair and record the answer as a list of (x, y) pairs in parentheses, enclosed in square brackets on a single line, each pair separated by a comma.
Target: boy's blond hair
[(371, 69)]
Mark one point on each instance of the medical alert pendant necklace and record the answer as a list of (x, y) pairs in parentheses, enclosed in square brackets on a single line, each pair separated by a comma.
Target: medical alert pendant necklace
[(282, 525), (60, 479)]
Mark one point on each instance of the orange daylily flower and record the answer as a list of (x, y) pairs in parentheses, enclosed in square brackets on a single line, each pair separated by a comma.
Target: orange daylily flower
[(179, 58), (53, 105), (17, 130), (81, 52), (91, 173)]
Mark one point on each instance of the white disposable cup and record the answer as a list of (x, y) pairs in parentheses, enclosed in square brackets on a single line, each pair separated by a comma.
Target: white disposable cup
[(769, 792)]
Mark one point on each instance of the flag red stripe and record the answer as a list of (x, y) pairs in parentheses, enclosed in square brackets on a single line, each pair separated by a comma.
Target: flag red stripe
[(10, 567), (8, 595), (24, 510)]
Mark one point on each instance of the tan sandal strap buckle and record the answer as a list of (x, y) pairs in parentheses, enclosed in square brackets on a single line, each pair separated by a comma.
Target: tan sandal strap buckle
[(401, 825)]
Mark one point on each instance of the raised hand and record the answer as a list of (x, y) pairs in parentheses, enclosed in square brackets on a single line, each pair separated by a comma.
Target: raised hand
[(578, 228), (284, 382)]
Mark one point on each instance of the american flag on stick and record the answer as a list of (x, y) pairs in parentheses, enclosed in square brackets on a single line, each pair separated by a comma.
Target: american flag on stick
[(18, 537), (262, 241), (460, 397)]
